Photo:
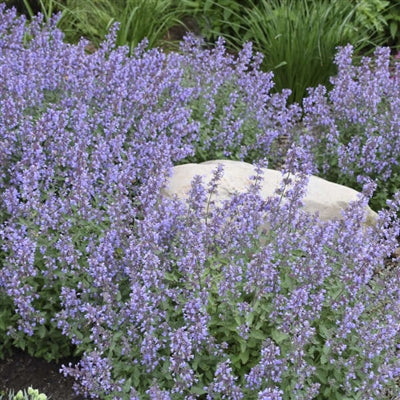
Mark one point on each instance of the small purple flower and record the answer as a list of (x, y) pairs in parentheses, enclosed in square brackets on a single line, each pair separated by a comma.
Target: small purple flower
[(270, 394), (269, 369), (224, 383)]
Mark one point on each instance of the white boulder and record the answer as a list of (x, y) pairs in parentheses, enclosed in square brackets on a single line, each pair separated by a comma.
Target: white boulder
[(327, 199)]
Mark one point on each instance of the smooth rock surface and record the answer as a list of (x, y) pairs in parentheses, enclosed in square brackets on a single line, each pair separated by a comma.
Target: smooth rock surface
[(326, 198)]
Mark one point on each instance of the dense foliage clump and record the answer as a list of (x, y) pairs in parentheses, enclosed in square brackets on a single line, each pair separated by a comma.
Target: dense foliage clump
[(354, 129), (164, 299)]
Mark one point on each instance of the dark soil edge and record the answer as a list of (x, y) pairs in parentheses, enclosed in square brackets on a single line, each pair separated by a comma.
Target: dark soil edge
[(20, 370)]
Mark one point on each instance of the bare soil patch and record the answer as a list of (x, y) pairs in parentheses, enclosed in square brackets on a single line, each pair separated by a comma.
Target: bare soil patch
[(20, 370)]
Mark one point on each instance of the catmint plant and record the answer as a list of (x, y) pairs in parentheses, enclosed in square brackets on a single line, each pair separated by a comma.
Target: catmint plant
[(223, 317), (169, 299), (353, 130)]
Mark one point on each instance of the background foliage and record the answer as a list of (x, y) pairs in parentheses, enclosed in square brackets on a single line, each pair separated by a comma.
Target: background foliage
[(297, 38)]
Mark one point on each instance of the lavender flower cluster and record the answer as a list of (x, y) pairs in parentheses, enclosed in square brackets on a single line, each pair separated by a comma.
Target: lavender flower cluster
[(166, 299), (353, 130)]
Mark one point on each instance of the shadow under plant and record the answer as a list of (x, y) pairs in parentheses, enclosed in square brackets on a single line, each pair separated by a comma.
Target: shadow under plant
[(20, 370)]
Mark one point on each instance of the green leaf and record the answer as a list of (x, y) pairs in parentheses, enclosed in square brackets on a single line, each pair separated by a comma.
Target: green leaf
[(322, 375), (238, 320), (199, 390), (256, 334), (244, 357), (393, 29), (252, 342), (127, 385), (42, 331), (203, 365), (192, 4), (209, 374), (278, 336), (21, 344), (324, 331), (259, 324), (136, 377), (230, 327), (171, 277), (327, 392), (255, 353), (227, 13), (3, 324), (338, 374), (324, 359), (115, 341)]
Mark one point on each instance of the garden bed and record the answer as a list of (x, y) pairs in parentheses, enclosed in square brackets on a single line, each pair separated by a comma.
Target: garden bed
[(165, 299)]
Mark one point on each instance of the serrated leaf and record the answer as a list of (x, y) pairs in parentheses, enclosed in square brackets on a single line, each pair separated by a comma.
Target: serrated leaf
[(255, 353), (203, 365), (250, 319), (322, 375), (199, 390), (235, 359), (279, 337), (127, 385), (238, 320), (337, 373), (326, 350), (259, 324), (252, 342), (259, 335), (42, 331), (324, 331), (231, 327), (21, 344), (244, 357), (324, 359), (136, 378), (3, 325), (171, 277), (209, 374)]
